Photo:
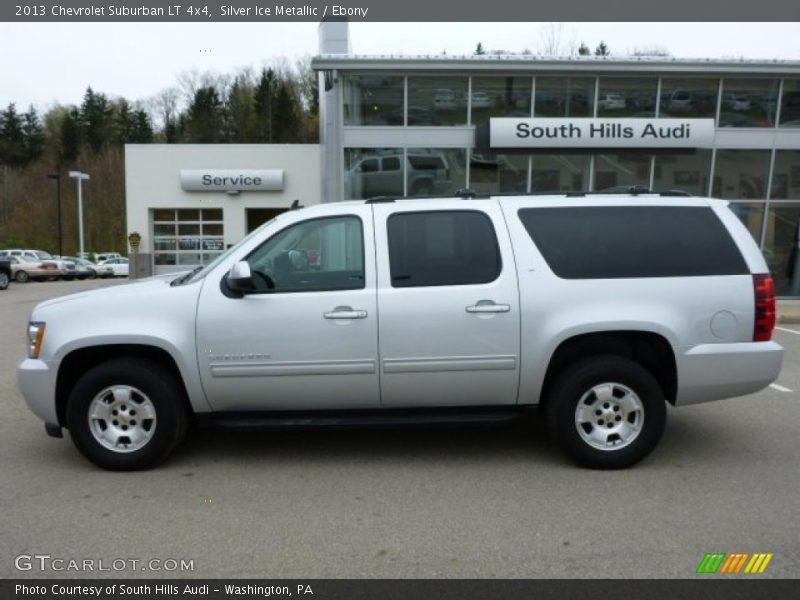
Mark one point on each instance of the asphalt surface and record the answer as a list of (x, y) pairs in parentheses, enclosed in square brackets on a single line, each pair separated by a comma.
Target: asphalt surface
[(468, 503)]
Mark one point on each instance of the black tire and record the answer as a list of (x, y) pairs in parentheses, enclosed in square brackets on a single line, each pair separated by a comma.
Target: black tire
[(92, 275), (562, 400), (4, 281), (22, 276), (157, 384)]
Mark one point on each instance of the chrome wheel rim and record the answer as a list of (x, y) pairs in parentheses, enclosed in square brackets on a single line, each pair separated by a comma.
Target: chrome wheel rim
[(609, 416), (122, 419)]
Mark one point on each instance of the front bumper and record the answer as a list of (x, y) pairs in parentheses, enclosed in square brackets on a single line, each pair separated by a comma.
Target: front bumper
[(715, 371), (37, 382)]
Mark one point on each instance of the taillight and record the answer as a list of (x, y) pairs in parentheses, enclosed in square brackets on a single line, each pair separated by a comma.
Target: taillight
[(764, 289)]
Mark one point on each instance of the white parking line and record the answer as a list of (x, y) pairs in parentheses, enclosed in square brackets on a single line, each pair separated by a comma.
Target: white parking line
[(788, 330), (780, 388)]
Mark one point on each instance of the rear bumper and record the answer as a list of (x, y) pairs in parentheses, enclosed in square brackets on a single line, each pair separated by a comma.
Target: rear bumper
[(715, 371), (37, 382)]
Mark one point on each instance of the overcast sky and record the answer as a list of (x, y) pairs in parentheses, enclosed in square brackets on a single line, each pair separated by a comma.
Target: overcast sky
[(48, 63)]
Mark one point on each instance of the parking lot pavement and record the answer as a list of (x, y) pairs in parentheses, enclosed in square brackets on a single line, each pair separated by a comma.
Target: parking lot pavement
[(425, 503)]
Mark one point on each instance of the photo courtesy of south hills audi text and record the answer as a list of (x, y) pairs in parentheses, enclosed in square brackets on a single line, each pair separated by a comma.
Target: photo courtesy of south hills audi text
[(115, 590)]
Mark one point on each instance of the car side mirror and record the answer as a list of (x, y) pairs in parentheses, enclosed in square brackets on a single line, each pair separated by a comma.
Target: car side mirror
[(239, 278)]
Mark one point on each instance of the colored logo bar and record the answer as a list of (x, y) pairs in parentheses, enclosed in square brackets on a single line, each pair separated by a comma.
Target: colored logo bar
[(734, 563)]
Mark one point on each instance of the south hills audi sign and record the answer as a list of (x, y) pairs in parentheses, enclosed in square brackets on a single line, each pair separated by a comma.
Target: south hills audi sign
[(600, 133)]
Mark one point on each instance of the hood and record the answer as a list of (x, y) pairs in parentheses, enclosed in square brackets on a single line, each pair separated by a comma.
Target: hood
[(123, 290)]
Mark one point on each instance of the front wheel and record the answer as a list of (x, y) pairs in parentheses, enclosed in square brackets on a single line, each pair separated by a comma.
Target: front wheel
[(127, 414), (3, 281), (606, 412), (22, 276)]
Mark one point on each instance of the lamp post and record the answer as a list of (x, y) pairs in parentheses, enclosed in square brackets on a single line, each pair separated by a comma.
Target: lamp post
[(57, 178), (80, 178)]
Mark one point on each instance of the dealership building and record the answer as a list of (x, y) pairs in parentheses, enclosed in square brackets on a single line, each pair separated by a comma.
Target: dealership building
[(420, 125)]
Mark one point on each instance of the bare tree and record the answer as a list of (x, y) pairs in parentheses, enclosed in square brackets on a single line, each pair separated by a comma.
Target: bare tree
[(654, 50), (552, 40)]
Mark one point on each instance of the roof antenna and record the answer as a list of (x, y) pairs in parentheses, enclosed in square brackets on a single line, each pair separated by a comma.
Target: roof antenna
[(295, 205)]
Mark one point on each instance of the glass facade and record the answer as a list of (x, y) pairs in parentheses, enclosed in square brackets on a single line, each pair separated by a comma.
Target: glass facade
[(187, 236), (373, 99), (688, 172), (627, 97), (748, 103), (560, 172), (689, 97), (500, 97), (760, 176), (437, 101), (564, 97)]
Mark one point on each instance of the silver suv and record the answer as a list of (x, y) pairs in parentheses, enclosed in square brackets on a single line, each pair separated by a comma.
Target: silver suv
[(597, 310)]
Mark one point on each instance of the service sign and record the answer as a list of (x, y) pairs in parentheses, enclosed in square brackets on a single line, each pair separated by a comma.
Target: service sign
[(601, 133), (232, 180)]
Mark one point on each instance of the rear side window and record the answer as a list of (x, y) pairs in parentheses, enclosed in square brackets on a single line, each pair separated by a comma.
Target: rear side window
[(442, 248), (612, 242)]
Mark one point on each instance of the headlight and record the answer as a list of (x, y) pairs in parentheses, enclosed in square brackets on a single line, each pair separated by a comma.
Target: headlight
[(35, 337)]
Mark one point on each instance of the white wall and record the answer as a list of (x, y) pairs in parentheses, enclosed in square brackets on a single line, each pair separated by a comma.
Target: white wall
[(152, 180)]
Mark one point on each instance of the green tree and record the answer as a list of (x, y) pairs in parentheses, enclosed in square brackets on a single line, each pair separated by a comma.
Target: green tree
[(122, 123), (141, 128), (33, 133), (479, 50), (70, 136), (264, 99), (240, 112), (602, 50), (286, 123), (205, 118), (12, 138), (583, 50), (95, 120)]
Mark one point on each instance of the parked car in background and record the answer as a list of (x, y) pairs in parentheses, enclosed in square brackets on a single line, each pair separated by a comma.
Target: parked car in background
[(444, 98), (611, 102), (85, 269), (480, 100), (23, 270), (104, 256), (119, 266), (5, 273), (97, 270)]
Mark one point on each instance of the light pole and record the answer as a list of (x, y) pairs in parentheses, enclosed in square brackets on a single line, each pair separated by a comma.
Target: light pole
[(80, 177), (57, 177)]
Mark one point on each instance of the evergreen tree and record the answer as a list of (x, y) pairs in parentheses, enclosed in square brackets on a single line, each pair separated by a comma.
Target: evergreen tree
[(122, 123), (286, 124), (240, 112), (141, 128), (205, 117), (479, 50), (583, 50), (70, 136), (12, 138), (33, 133), (95, 120), (602, 50), (263, 99)]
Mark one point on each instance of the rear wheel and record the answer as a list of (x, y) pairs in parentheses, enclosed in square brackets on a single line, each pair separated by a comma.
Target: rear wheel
[(127, 414), (4, 281), (22, 276), (606, 412)]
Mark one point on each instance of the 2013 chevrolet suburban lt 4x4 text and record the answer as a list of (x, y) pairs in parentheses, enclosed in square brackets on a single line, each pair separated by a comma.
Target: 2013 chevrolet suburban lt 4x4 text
[(596, 309)]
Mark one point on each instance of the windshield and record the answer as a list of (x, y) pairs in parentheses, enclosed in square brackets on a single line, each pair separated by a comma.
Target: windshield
[(200, 272)]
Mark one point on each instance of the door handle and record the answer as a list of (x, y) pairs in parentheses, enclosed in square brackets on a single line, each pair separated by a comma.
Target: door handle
[(345, 312), (488, 306)]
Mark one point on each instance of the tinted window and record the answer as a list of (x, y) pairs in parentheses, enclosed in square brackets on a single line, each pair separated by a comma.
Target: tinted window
[(442, 248), (638, 241), (316, 255), (391, 164)]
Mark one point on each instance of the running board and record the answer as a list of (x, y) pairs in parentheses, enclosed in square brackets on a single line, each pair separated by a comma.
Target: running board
[(387, 418)]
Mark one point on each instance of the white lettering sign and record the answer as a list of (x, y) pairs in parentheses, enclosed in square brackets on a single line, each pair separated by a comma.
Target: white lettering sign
[(601, 133), (229, 180)]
